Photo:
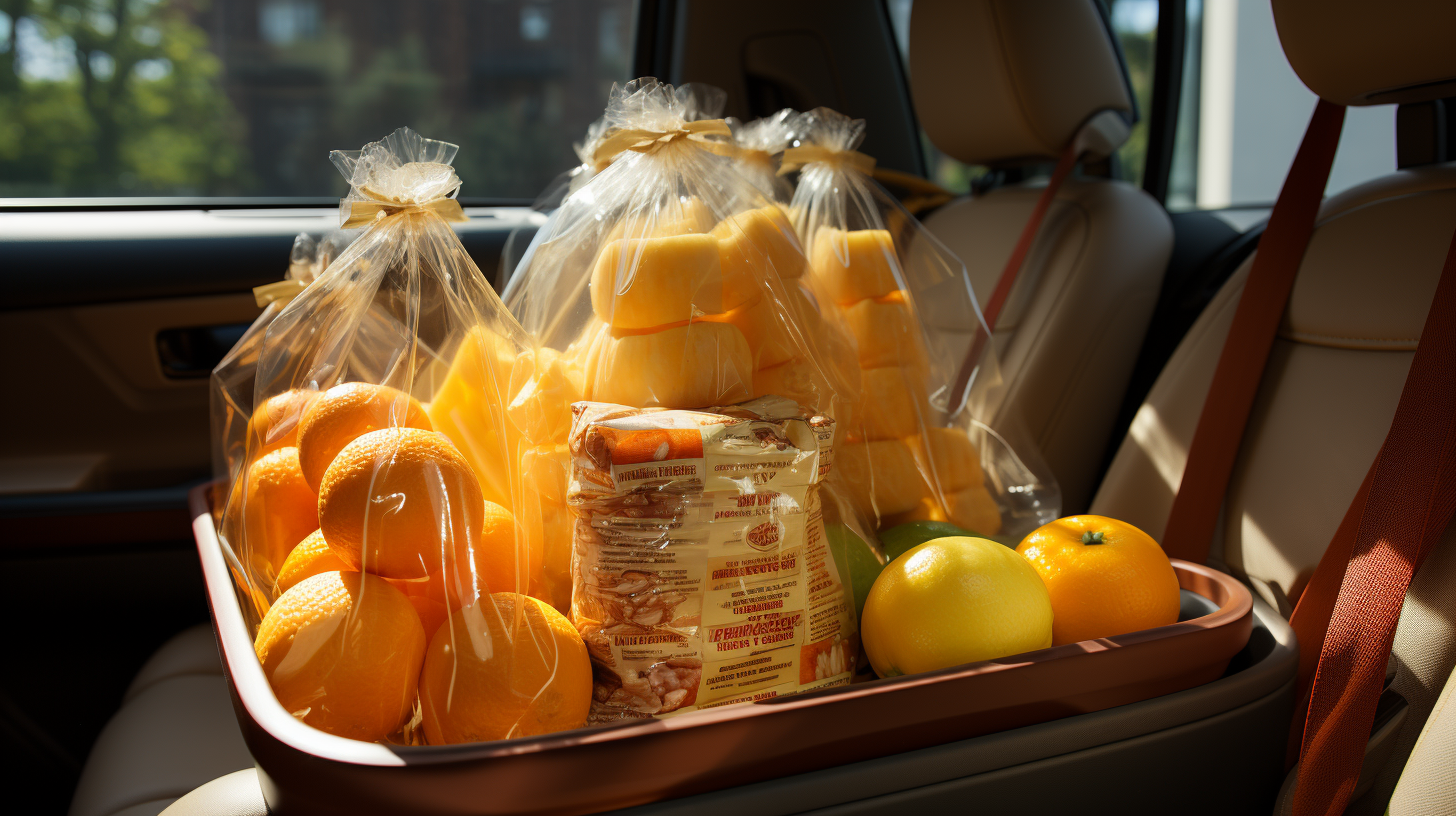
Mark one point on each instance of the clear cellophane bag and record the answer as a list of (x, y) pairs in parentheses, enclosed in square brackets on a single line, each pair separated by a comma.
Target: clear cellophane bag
[(700, 101), (930, 441), (371, 520), (231, 387), (668, 283), (758, 145)]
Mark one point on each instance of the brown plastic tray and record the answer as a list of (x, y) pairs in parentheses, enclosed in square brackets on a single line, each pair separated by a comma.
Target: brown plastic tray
[(589, 770)]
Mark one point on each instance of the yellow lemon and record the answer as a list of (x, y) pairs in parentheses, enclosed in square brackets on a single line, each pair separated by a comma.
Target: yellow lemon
[(951, 601)]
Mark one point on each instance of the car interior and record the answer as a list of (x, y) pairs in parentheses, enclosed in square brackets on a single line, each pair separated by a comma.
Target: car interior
[(1122, 159)]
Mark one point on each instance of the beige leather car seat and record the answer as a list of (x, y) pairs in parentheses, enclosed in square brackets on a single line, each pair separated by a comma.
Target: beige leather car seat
[(176, 730), (1005, 83), (1335, 374)]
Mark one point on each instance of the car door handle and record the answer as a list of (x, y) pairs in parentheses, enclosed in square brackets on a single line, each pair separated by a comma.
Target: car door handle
[(193, 352)]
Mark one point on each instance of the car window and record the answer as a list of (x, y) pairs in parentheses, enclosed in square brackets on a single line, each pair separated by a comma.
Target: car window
[(1243, 113), (247, 97), (939, 168), (1135, 24)]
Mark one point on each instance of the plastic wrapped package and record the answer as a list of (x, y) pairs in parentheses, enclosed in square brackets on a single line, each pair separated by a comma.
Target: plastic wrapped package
[(704, 574), (231, 391), (369, 525), (670, 281), (758, 144), (929, 441)]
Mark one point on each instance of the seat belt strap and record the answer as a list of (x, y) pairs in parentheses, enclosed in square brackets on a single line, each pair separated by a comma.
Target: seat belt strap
[(1410, 502), (1220, 430), (1311, 617), (1065, 163), (992, 310)]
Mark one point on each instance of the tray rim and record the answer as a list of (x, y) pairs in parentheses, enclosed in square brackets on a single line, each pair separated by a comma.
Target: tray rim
[(253, 694)]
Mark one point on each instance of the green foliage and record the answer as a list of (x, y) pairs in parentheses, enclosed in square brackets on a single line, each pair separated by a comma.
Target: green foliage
[(139, 110)]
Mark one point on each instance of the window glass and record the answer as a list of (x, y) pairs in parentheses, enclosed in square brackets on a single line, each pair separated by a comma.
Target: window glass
[(1135, 24), (1244, 112), (246, 97), (939, 168)]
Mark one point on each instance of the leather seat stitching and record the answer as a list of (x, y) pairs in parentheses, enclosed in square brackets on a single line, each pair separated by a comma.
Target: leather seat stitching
[(1315, 338)]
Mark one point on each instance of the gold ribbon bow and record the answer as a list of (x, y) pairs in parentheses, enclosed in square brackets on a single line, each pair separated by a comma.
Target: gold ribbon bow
[(284, 290), (364, 212), (796, 157), (639, 140)]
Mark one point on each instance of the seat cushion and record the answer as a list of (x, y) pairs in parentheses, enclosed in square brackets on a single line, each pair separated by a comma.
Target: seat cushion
[(191, 651), (175, 731), (1072, 326), (1328, 395)]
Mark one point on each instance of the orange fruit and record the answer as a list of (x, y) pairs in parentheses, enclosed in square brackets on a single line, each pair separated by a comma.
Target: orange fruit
[(507, 666), (475, 569), (309, 558), (342, 651), (428, 597), (499, 559), (399, 502), (461, 581), (274, 424), (1105, 577), (279, 509), (345, 413)]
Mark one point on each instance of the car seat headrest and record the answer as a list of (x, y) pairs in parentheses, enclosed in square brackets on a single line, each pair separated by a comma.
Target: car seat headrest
[(1357, 52), (1006, 81)]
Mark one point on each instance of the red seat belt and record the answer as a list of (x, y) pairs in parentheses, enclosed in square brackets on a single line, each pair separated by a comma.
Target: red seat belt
[(1065, 163), (1215, 445), (1410, 500), (992, 309)]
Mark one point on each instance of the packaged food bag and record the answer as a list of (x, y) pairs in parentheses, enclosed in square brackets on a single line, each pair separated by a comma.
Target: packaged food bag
[(704, 576), (669, 281), (758, 145), (928, 441), (369, 522)]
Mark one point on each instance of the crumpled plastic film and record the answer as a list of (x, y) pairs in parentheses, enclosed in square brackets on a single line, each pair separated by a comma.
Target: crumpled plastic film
[(929, 441), (370, 520), (759, 144)]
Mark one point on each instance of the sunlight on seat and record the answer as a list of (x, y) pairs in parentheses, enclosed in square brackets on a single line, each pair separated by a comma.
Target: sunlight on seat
[(1262, 560), (1163, 450)]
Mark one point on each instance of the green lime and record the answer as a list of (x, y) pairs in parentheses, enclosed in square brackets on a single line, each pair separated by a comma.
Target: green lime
[(857, 563), (897, 540)]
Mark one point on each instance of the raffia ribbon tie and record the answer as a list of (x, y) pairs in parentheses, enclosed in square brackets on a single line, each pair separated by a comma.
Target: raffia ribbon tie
[(797, 157), (284, 290), (378, 205), (650, 141), (762, 158)]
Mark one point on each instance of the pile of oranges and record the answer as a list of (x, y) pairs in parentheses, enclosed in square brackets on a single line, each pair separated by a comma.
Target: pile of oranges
[(394, 579)]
